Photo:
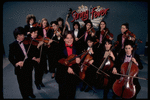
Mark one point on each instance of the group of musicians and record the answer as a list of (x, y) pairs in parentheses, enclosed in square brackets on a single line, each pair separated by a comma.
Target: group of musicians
[(96, 51)]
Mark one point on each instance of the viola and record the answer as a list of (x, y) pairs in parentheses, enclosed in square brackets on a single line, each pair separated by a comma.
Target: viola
[(124, 86), (87, 57)]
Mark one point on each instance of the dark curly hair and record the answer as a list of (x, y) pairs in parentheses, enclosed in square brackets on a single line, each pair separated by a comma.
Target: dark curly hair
[(30, 16)]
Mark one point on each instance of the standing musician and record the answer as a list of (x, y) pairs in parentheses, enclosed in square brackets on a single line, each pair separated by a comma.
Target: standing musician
[(61, 24), (91, 71), (99, 58), (56, 36), (122, 38), (23, 62), (65, 75), (87, 32), (30, 20), (44, 33), (77, 34), (126, 57), (100, 34), (38, 66)]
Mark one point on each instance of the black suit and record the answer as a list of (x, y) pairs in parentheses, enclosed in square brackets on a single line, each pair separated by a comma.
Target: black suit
[(24, 75), (78, 43), (67, 82)]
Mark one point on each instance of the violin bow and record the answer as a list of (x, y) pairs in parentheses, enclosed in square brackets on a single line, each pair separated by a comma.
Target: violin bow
[(131, 76), (84, 34), (103, 38), (85, 82)]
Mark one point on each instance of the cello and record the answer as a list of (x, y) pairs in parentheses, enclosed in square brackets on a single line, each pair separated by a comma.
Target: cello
[(106, 67), (124, 86)]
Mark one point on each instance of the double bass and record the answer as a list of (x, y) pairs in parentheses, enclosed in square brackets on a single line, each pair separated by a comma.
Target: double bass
[(124, 86)]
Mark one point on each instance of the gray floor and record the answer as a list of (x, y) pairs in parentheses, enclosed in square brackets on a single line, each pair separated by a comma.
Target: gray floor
[(50, 91)]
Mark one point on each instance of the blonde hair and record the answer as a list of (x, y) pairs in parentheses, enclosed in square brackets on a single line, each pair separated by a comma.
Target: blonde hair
[(44, 19)]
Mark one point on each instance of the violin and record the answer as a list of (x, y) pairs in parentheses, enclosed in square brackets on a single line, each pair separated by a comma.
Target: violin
[(70, 59), (45, 40), (128, 34), (57, 33), (91, 30), (103, 79), (124, 86), (48, 27), (28, 41), (87, 57), (37, 24)]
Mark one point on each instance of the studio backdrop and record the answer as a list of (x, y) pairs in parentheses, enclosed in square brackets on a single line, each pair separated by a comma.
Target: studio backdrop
[(116, 13)]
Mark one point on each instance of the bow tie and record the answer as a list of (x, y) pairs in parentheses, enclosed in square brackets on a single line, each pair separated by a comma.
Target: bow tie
[(69, 46), (128, 56), (20, 42)]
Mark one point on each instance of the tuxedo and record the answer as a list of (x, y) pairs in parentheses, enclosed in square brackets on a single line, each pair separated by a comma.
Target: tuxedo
[(24, 74), (78, 44)]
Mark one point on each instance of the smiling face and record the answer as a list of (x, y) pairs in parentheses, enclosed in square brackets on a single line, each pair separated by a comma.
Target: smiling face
[(20, 37), (69, 39), (34, 34), (102, 25), (107, 46), (88, 26), (55, 27), (44, 23)]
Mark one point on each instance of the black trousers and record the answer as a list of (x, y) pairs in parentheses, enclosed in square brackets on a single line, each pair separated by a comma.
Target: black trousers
[(24, 78), (39, 72), (67, 89)]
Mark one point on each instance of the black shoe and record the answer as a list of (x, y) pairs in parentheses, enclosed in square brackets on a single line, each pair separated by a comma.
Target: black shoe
[(83, 88), (87, 90), (46, 71), (42, 85), (38, 87), (32, 96)]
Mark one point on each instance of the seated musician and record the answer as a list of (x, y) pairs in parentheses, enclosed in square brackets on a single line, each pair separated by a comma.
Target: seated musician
[(100, 56), (91, 71), (127, 57), (66, 75)]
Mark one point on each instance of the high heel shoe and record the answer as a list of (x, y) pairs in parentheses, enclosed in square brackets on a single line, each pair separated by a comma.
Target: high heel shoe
[(53, 75)]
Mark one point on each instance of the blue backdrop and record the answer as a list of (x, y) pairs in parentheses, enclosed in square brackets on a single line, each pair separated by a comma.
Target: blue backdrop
[(135, 13)]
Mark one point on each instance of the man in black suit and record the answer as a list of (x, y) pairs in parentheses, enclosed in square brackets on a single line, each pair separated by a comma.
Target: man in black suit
[(22, 62)]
